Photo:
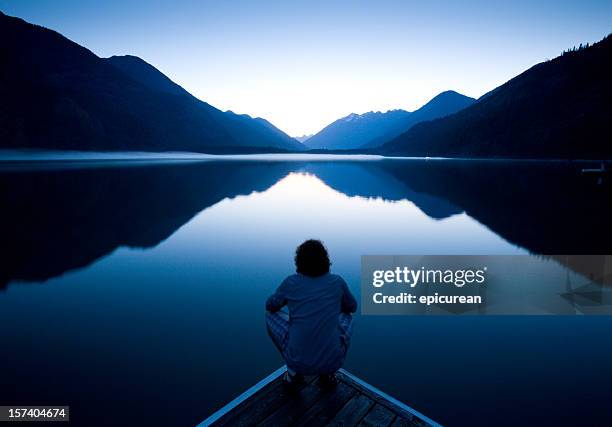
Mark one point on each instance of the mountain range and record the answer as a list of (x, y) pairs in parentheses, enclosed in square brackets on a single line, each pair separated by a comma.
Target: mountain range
[(59, 95), (375, 128), (556, 109), (302, 138)]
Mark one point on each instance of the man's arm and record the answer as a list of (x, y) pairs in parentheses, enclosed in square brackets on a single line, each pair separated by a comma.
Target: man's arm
[(277, 300), (348, 304)]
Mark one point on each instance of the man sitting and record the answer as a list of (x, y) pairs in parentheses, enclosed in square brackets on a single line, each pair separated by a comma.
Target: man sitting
[(314, 336)]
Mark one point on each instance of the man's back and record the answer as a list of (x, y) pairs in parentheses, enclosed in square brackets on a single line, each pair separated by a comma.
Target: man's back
[(314, 344)]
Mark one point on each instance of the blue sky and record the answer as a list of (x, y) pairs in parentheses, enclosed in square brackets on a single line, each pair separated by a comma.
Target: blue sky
[(302, 65)]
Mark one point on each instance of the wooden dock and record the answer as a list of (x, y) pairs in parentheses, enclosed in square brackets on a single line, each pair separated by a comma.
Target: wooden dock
[(352, 402)]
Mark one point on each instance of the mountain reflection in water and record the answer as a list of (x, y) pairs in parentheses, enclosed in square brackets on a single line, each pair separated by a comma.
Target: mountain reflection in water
[(58, 220)]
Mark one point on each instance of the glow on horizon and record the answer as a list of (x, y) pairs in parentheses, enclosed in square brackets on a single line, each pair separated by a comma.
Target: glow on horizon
[(302, 65)]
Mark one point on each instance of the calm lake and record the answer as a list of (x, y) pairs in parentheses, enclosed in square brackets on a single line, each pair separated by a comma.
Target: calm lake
[(134, 291)]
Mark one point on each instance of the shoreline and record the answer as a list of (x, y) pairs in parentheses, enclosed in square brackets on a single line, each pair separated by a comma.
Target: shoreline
[(44, 156)]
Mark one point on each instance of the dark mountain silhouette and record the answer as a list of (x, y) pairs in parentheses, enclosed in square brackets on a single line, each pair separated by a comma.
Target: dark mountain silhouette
[(257, 132), (302, 138), (145, 73), (355, 130), (441, 105), (557, 109), (59, 95), (241, 127), (375, 128)]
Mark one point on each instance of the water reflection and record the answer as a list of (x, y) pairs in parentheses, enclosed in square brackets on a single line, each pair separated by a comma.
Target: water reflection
[(178, 327), (58, 220)]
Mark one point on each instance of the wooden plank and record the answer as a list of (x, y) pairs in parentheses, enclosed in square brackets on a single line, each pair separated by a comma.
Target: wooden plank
[(265, 384), (327, 406), (402, 422), (294, 407), (353, 401), (354, 410), (401, 409), (378, 416), (257, 408)]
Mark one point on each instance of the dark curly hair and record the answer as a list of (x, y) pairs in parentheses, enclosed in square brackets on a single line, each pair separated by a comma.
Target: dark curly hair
[(311, 258)]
